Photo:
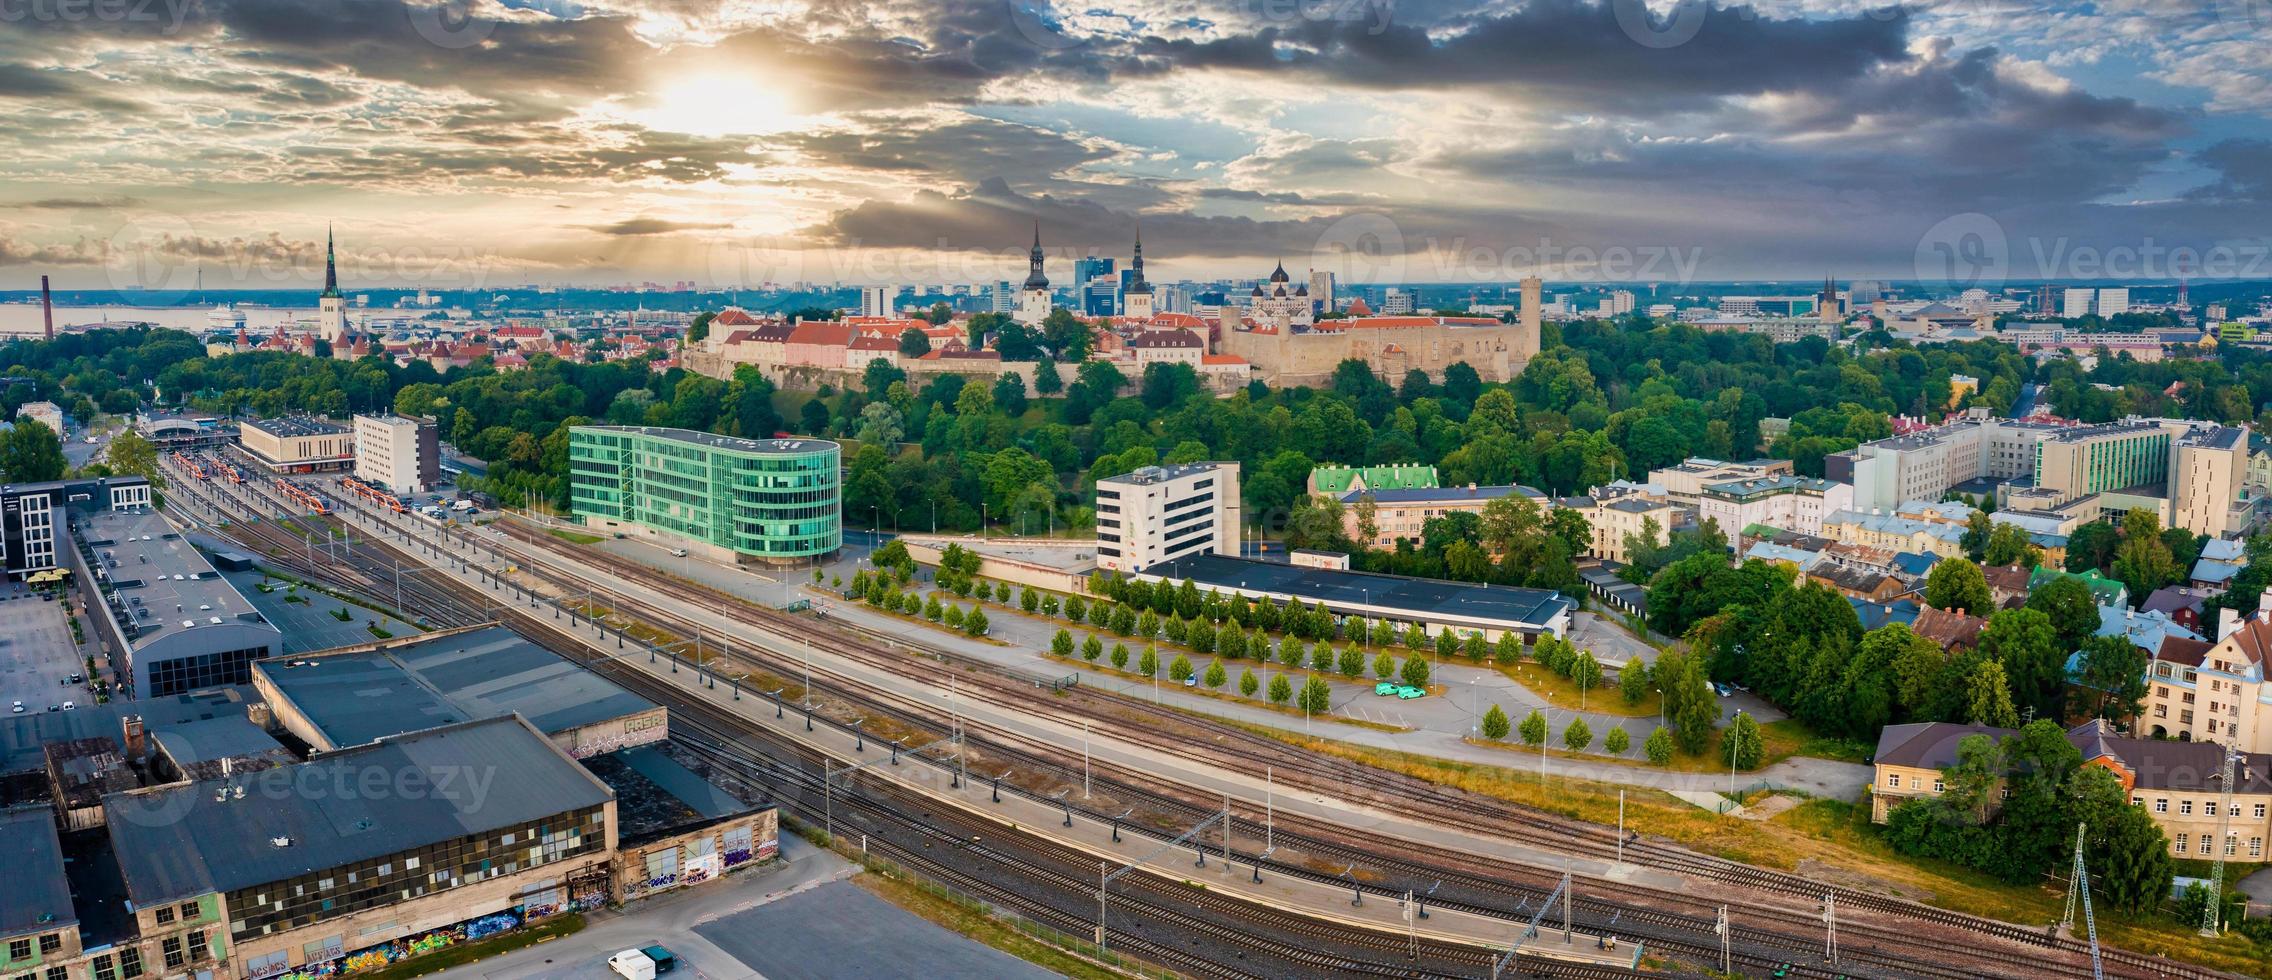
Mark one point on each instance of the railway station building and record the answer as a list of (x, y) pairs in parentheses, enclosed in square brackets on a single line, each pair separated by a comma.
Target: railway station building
[(298, 444), (164, 618), (753, 501), (1432, 604)]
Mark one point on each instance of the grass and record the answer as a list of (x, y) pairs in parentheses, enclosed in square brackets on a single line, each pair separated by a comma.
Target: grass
[(379, 633), (573, 537), (1563, 693), (442, 959), (1783, 739)]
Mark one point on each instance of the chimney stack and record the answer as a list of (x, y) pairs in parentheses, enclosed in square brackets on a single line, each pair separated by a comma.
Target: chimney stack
[(137, 742), (46, 308)]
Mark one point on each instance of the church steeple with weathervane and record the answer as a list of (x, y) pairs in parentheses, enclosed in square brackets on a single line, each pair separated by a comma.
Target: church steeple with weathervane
[(1136, 300), (331, 308), (1033, 297)]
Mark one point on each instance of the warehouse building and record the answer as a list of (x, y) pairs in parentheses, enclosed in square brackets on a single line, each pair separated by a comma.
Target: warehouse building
[(1432, 604), (168, 622), (32, 514), (399, 453), (357, 695), (756, 501), (298, 444)]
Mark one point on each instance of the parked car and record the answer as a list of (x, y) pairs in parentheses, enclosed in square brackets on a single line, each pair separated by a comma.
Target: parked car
[(68, 706), (1385, 688), (1725, 691), (17, 709), (1407, 692)]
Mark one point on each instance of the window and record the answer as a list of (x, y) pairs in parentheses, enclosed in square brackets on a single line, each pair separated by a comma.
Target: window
[(2204, 843), (19, 949), (2185, 808), (105, 968), (2161, 805), (2256, 847), (2260, 811), (164, 914), (51, 942), (58, 973), (171, 947), (2182, 840), (129, 962), (1893, 779), (2232, 846), (189, 911), (1937, 784), (197, 948)]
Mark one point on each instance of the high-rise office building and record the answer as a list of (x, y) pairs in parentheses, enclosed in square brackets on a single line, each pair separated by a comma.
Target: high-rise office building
[(2113, 301), (2076, 303), (876, 300), (766, 500), (1161, 513), (1322, 283)]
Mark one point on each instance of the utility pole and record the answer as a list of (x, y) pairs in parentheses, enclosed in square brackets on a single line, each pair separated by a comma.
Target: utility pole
[(2212, 917), (1269, 807), (1621, 828), (1724, 931), (1830, 928)]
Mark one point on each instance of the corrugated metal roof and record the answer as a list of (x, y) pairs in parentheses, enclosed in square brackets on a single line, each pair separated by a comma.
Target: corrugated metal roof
[(38, 897), (351, 806)]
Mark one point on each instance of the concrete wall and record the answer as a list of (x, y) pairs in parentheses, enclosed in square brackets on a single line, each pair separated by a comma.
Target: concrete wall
[(1496, 353), (702, 855), (1073, 579)]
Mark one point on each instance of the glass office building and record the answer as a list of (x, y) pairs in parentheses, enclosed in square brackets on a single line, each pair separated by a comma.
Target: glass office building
[(777, 501)]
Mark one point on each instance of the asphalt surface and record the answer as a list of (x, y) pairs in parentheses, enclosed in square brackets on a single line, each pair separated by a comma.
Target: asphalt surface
[(840, 931), (36, 652)]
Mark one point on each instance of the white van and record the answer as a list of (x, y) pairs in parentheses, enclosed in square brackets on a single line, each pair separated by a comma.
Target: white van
[(632, 964)]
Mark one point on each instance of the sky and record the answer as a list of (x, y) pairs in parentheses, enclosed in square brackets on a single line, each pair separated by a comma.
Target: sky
[(482, 144)]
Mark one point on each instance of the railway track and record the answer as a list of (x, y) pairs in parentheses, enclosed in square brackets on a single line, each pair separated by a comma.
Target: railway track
[(1339, 775)]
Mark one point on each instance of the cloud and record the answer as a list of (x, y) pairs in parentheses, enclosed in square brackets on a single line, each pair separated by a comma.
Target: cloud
[(99, 203), (655, 226), (15, 252)]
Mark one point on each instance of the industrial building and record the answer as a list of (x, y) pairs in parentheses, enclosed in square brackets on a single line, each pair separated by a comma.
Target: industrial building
[(399, 453), (298, 444), (32, 513), (166, 619), (355, 695), (760, 501), (1162, 513), (1432, 604)]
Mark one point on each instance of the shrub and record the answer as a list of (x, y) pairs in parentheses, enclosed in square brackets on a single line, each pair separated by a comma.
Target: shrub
[(1384, 666), (1534, 728), (932, 611), (1247, 684), (1179, 669), (1415, 671), (1495, 724), (1317, 695), (1352, 662), (954, 617), (1091, 648), (1658, 746), (1616, 742), (1120, 656), (1281, 689)]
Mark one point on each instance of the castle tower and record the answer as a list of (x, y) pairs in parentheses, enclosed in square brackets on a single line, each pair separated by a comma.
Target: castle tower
[(1033, 297)]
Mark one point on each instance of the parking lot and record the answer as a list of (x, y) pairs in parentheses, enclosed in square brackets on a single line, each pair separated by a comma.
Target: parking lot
[(36, 652)]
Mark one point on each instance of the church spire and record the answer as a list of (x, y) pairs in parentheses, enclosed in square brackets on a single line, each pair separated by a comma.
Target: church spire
[(1034, 277), (1136, 264), (330, 266)]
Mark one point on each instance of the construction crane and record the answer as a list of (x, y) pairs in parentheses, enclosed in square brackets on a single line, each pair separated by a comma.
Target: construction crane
[(2079, 887), (2212, 915)]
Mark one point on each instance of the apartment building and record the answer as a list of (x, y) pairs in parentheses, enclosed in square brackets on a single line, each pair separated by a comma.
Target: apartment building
[(2217, 694), (1158, 514), (1684, 482), (401, 454), (1789, 503), (2178, 783), (1615, 519), (1404, 514)]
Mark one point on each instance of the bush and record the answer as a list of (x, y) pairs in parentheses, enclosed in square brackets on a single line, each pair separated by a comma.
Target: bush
[(1061, 644), (1616, 742), (975, 624), (953, 617), (1075, 609), (1415, 671), (1495, 724), (1352, 662), (933, 611), (1510, 650), (1247, 683), (1658, 747), (1384, 666), (1281, 689), (1317, 695), (1028, 600), (1533, 728), (1215, 676)]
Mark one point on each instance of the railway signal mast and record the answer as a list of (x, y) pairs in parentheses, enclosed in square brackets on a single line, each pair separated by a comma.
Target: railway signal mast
[(2211, 915), (2080, 887)]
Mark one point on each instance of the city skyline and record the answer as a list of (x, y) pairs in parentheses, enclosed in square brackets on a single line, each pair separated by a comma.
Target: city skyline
[(1416, 142)]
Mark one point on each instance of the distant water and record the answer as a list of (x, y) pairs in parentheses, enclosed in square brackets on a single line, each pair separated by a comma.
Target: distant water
[(21, 318)]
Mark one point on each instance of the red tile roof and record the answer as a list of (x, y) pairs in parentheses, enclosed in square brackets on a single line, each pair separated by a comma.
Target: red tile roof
[(733, 316), (826, 333)]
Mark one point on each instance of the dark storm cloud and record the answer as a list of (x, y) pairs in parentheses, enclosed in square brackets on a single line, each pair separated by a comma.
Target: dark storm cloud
[(64, 87), (2244, 167), (101, 203), (1573, 52), (632, 227)]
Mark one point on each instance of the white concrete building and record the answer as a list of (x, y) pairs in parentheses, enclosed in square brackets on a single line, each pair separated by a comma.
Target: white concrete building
[(45, 413), (400, 454), (2113, 301), (1162, 513), (2076, 302)]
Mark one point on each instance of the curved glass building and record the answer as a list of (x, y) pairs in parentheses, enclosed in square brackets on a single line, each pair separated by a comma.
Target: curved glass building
[(774, 501)]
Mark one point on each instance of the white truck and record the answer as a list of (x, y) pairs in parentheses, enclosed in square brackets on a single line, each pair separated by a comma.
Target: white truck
[(642, 964)]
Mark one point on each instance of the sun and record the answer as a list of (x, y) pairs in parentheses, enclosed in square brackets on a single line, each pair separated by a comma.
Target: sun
[(720, 103)]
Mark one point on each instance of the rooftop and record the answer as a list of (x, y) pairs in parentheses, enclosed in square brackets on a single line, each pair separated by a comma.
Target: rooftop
[(178, 842), (24, 738), (161, 583), (492, 672), (785, 447), (296, 425), (657, 796), (1149, 475), (1422, 495), (1531, 608), (38, 896)]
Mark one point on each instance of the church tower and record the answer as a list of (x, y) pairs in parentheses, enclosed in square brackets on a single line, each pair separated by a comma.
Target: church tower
[(1137, 299), (331, 308), (1033, 297)]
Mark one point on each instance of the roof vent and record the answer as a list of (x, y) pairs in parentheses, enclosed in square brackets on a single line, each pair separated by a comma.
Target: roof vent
[(280, 842)]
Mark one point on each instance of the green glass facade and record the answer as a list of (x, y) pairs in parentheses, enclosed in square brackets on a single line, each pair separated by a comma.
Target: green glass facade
[(771, 499)]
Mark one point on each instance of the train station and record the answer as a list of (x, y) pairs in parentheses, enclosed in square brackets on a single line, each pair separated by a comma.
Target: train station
[(1432, 604)]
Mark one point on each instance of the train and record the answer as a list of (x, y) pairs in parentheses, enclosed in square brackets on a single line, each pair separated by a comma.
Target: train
[(195, 468), (373, 494), (313, 501)]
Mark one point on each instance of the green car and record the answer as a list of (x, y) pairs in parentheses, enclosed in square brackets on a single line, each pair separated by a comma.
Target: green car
[(1407, 692), (1385, 688)]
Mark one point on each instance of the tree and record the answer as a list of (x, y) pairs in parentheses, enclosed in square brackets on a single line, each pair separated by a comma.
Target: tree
[(1045, 377), (2027, 653), (2091, 546), (129, 453), (1247, 682), (1740, 745), (1120, 656), (1509, 650), (975, 623), (1352, 662), (1957, 584), (953, 617), (1215, 676), (31, 453), (1975, 540), (1010, 394), (1317, 695), (913, 342), (2009, 545), (2134, 864), (2144, 562), (1149, 664), (1061, 644), (1533, 728), (1585, 671), (1495, 725), (1281, 689), (1633, 681), (1384, 666), (1415, 671), (2070, 607), (2114, 675), (1988, 699), (934, 612), (1658, 747), (1179, 669), (1029, 600), (1092, 648), (1616, 742), (1578, 735)]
